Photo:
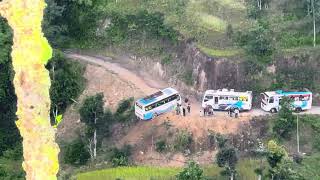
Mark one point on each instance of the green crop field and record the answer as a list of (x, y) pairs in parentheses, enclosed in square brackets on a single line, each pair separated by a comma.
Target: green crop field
[(131, 173), (245, 169)]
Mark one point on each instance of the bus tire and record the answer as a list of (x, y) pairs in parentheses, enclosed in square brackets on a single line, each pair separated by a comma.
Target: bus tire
[(154, 115), (298, 110), (273, 110)]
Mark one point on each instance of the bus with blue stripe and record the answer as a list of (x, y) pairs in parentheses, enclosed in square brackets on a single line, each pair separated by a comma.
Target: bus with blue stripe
[(163, 101), (301, 100), (224, 99)]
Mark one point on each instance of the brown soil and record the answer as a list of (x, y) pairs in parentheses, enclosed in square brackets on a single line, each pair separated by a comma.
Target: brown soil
[(117, 84)]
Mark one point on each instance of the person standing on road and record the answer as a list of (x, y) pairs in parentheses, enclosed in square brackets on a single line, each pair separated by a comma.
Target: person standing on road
[(230, 111), (189, 108), (183, 111), (178, 109)]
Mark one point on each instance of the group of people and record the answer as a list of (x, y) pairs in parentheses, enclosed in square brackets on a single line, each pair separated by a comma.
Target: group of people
[(182, 109), (232, 111)]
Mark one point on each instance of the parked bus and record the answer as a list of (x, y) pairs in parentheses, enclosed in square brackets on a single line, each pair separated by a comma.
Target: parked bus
[(223, 99), (158, 103), (270, 101)]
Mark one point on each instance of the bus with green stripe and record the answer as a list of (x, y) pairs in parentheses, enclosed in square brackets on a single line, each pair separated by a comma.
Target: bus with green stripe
[(161, 102)]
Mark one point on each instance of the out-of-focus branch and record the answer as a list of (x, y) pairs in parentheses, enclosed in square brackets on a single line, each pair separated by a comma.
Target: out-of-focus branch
[(4, 6)]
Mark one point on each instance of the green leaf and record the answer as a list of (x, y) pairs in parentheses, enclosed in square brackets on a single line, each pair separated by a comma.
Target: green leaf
[(58, 120)]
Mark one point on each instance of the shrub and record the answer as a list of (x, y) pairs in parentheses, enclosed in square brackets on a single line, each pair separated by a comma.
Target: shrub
[(192, 172), (125, 110), (227, 158), (183, 141), (161, 146), (316, 142), (120, 157), (221, 140), (166, 60), (76, 153)]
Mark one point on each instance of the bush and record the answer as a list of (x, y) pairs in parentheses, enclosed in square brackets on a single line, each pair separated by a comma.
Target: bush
[(316, 142), (120, 157), (76, 153), (125, 110), (221, 140), (14, 154), (183, 141), (192, 172), (161, 146), (166, 60)]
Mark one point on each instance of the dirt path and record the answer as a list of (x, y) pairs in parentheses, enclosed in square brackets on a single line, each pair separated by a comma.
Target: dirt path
[(220, 122), (118, 81)]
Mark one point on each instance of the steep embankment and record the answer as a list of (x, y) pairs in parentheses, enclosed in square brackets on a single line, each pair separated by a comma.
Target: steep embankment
[(118, 80)]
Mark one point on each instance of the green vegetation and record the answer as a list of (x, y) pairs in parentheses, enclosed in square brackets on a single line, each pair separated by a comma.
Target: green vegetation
[(67, 82), (161, 146), (183, 141), (220, 52), (131, 173), (76, 153), (245, 170), (119, 157), (192, 171), (125, 110), (285, 122)]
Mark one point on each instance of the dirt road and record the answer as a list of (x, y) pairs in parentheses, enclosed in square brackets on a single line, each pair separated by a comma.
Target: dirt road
[(220, 122)]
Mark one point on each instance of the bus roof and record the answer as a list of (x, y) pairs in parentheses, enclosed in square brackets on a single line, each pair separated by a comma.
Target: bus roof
[(227, 92), (157, 96), (283, 93)]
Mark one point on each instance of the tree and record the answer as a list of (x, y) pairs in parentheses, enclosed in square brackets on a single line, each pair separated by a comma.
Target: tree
[(30, 52), (91, 112), (260, 153), (53, 29), (227, 158), (258, 42), (80, 18), (285, 122), (276, 155), (286, 171), (191, 172), (67, 82)]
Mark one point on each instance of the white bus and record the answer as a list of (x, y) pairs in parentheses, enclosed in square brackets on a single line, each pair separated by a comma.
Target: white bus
[(158, 103), (223, 99), (270, 101)]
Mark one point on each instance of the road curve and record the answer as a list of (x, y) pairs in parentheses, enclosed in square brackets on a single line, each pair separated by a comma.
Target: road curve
[(142, 84)]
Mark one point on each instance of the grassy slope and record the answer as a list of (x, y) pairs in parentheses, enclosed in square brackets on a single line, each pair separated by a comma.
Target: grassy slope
[(204, 20)]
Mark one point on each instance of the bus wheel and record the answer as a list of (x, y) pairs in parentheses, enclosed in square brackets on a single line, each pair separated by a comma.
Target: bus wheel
[(273, 110), (154, 115), (297, 110)]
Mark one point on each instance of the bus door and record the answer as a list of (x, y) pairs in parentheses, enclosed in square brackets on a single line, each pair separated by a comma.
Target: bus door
[(216, 100)]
